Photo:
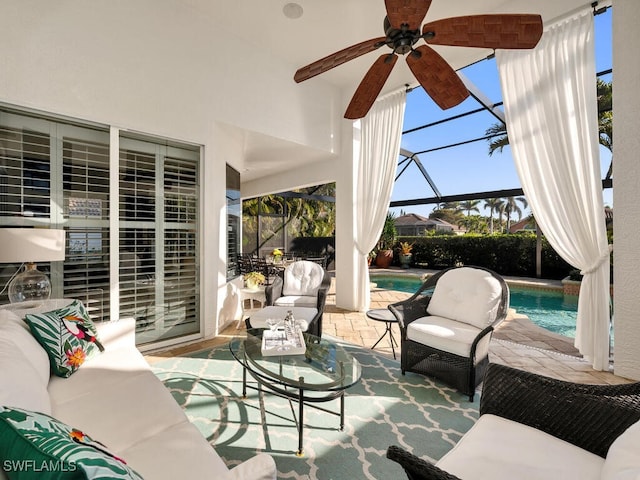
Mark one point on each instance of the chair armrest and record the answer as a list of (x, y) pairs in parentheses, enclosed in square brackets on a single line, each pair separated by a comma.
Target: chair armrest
[(409, 310), (588, 416), (274, 291), (417, 468)]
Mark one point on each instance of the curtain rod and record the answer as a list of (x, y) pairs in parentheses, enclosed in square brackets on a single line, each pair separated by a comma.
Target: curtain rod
[(598, 7)]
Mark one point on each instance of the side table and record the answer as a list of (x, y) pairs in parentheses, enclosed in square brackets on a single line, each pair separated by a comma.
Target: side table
[(251, 295), (384, 315)]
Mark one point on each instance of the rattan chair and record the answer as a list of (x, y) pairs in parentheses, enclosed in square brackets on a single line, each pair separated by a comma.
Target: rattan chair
[(301, 284), (590, 417), (454, 321)]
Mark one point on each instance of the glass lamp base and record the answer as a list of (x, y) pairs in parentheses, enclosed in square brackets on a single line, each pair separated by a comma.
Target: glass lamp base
[(31, 284)]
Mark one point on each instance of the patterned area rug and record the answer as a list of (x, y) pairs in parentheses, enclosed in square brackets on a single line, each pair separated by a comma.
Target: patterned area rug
[(384, 408)]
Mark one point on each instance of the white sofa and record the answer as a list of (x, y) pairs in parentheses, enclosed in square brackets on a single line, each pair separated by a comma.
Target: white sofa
[(116, 399), (533, 427)]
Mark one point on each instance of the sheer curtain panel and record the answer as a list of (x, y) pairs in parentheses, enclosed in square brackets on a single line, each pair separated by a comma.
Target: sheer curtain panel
[(550, 105), (379, 149)]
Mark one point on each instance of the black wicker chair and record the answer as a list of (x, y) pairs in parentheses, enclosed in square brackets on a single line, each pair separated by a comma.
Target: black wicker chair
[(274, 296), (590, 417), (461, 372)]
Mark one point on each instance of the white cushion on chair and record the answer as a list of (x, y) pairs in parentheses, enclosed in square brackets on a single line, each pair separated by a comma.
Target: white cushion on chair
[(297, 301), (300, 314), (468, 295), (448, 335), (623, 460), (302, 278), (499, 449)]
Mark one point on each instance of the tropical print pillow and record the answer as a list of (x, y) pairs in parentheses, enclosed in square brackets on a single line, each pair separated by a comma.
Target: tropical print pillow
[(34, 445), (68, 336)]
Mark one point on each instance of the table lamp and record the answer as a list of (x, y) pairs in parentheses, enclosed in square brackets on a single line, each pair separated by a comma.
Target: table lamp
[(30, 245)]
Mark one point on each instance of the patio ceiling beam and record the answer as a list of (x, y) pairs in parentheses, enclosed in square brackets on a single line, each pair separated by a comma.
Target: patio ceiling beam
[(415, 159), (482, 99), (514, 192)]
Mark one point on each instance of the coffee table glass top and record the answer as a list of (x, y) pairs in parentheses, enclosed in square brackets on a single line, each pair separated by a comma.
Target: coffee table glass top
[(325, 366)]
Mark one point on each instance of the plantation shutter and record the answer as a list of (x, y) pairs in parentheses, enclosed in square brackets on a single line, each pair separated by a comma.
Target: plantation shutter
[(159, 279), (86, 214)]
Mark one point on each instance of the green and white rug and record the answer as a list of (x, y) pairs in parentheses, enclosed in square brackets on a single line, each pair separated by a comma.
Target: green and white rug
[(384, 408)]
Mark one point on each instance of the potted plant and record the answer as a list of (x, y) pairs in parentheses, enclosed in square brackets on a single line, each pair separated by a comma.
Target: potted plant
[(277, 255), (387, 239), (405, 254), (253, 280), (371, 257)]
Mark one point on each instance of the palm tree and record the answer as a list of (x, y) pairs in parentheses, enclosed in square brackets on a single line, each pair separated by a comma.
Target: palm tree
[(498, 137), (511, 206), (494, 205), (469, 206)]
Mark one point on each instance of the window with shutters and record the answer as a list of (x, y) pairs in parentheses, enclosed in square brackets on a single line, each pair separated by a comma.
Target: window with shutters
[(56, 173), (234, 220), (159, 200)]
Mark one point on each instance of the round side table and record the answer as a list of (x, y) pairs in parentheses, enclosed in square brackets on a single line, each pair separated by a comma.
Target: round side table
[(384, 315)]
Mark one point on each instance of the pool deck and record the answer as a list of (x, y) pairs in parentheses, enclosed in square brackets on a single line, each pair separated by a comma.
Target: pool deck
[(517, 342)]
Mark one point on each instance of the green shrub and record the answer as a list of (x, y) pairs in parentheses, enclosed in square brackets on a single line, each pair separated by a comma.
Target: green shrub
[(505, 254)]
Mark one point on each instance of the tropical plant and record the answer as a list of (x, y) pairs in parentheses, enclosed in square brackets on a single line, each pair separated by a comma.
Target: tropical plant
[(406, 247), (498, 138), (389, 232), (469, 206), (494, 205), (511, 206)]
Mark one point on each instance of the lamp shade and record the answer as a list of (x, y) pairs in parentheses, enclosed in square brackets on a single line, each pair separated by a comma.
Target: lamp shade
[(31, 245)]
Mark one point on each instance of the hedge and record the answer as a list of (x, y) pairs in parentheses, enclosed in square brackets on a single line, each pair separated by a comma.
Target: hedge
[(510, 254)]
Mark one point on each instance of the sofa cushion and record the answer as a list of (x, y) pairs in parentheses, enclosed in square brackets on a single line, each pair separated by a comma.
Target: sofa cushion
[(623, 457), (448, 335), (14, 330), (501, 449), (34, 445), (302, 278), (468, 295), (21, 385), (120, 414), (68, 336), (189, 450)]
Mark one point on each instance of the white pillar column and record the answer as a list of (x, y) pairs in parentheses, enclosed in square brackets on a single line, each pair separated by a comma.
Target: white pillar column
[(626, 192), (345, 218)]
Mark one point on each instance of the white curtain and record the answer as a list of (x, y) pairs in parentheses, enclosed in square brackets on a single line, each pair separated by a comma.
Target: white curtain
[(550, 105), (381, 132)]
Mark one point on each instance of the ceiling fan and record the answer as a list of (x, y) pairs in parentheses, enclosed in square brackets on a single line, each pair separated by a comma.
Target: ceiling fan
[(402, 32)]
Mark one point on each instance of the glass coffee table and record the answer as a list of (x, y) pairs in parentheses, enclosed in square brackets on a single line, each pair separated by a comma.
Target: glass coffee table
[(321, 374)]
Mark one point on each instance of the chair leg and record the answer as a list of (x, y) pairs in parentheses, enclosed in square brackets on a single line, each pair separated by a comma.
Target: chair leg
[(471, 397)]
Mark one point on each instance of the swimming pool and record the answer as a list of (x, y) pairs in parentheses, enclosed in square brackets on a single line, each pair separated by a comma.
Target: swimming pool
[(549, 309)]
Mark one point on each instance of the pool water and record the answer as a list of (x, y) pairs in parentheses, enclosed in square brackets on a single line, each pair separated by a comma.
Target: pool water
[(550, 310)]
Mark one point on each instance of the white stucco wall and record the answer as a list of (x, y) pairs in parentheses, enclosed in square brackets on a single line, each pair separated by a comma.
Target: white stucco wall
[(626, 192), (164, 69)]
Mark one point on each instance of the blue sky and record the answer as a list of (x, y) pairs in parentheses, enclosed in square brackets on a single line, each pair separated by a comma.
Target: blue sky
[(469, 168)]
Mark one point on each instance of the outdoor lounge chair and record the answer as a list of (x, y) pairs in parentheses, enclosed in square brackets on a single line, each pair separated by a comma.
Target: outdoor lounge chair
[(446, 326), (539, 427), (301, 284)]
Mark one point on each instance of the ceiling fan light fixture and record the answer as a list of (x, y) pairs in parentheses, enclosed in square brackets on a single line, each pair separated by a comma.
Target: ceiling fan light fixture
[(292, 10)]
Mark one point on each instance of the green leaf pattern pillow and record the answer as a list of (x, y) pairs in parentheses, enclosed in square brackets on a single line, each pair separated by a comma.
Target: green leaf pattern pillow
[(34, 445), (68, 336)]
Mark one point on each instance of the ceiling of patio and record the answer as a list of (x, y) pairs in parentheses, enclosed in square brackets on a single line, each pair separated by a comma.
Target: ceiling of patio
[(327, 26)]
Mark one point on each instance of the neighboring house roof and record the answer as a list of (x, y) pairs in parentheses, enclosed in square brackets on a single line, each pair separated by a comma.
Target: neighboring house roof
[(415, 220)]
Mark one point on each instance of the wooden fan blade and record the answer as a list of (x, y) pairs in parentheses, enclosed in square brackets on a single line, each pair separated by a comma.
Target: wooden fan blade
[(370, 86), (409, 12), (486, 31), (437, 77), (338, 58)]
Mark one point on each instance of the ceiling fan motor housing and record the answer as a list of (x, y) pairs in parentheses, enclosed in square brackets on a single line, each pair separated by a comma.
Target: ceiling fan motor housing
[(401, 41)]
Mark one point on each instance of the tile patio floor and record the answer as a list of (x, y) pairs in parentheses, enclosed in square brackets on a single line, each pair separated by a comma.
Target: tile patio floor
[(516, 342)]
